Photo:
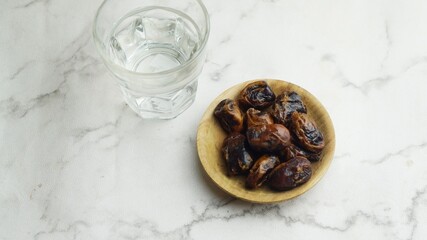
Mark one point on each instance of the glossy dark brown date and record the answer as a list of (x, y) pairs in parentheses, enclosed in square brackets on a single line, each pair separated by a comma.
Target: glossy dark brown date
[(306, 133), (236, 154), (260, 170), (290, 174), (293, 151), (256, 117), (257, 95), (285, 104), (229, 115), (268, 138)]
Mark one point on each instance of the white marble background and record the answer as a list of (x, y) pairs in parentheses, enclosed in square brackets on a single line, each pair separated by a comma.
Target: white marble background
[(77, 163)]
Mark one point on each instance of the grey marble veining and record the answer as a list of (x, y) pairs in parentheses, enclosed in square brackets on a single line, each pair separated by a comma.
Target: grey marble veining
[(77, 163)]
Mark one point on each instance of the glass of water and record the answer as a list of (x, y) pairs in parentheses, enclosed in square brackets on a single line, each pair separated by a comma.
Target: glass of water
[(156, 51)]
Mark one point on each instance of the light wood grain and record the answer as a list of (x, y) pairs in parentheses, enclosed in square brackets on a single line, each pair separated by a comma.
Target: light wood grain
[(210, 137)]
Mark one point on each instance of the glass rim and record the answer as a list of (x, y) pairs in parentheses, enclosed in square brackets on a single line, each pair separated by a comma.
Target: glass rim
[(98, 43)]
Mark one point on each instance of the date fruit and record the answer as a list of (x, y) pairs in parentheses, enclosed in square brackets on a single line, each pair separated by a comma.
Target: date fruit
[(256, 117), (293, 151), (290, 174), (260, 170), (268, 138), (229, 115), (285, 104), (306, 132), (236, 154), (257, 95)]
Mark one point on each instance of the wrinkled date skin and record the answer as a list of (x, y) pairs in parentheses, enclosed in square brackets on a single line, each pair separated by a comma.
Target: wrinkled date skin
[(268, 138), (306, 132), (290, 174), (256, 117), (293, 151), (229, 115), (257, 95), (260, 170), (285, 104), (236, 154)]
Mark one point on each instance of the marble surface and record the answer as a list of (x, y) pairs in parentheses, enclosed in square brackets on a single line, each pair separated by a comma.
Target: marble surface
[(77, 163)]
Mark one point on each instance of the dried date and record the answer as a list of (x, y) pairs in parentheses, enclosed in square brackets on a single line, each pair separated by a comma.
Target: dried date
[(229, 115), (256, 117), (260, 170), (285, 104), (268, 138), (257, 95), (236, 154), (290, 174), (306, 133), (293, 151)]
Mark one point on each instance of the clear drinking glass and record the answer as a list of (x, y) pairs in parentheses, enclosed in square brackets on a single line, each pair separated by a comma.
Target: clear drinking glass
[(155, 49)]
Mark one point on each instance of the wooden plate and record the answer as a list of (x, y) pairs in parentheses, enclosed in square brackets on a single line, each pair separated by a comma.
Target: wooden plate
[(210, 137)]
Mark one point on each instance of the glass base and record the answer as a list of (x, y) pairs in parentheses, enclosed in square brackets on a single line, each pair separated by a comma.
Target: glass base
[(162, 106)]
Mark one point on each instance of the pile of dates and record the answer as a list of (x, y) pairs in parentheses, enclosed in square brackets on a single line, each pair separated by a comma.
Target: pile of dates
[(270, 138)]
